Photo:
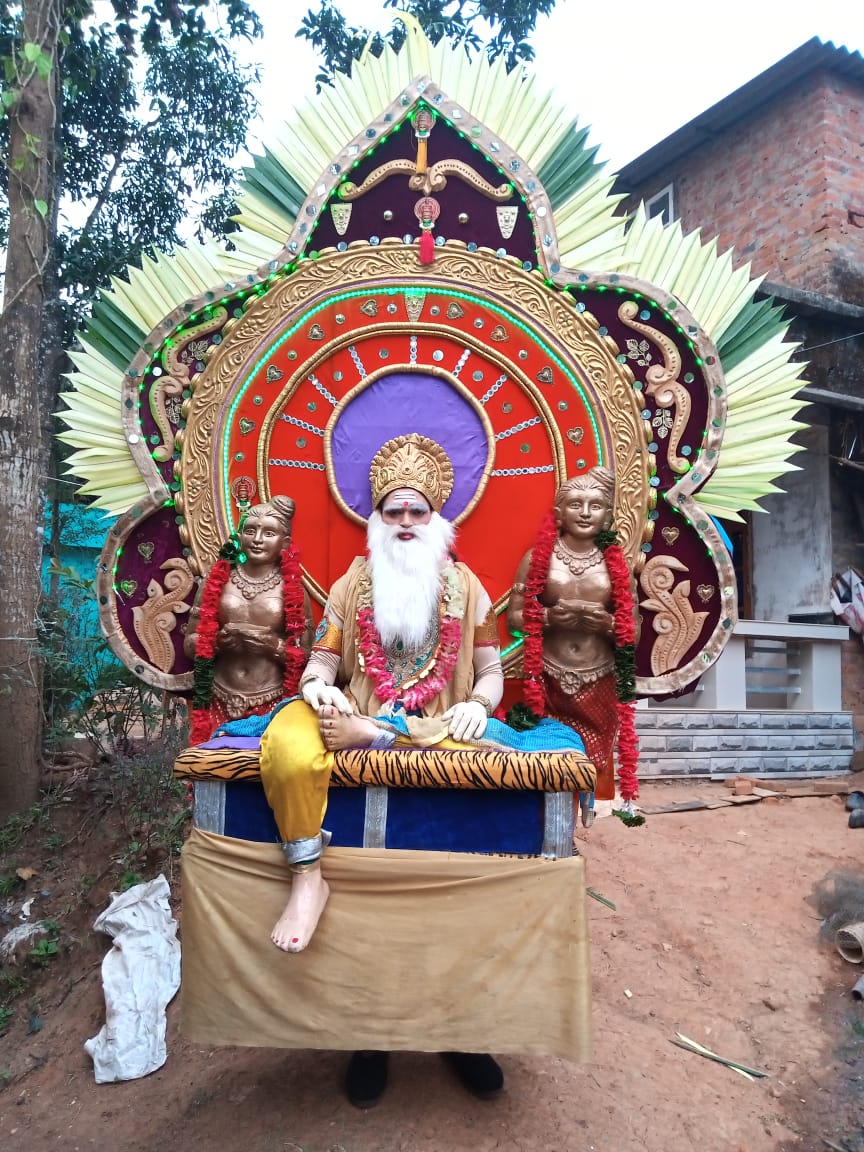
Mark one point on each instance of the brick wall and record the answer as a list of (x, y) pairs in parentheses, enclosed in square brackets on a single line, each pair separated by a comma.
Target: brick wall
[(784, 188)]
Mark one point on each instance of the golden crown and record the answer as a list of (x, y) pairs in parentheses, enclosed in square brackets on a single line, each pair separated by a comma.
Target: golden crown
[(412, 461)]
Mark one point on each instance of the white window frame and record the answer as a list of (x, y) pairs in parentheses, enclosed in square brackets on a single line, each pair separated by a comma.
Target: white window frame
[(662, 204)]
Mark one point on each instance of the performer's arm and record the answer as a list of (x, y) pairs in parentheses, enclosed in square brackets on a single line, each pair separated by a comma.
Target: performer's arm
[(488, 678), (468, 719), (318, 682)]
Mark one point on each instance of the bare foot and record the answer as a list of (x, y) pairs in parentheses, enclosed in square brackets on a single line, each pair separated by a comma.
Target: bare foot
[(341, 731), (296, 926)]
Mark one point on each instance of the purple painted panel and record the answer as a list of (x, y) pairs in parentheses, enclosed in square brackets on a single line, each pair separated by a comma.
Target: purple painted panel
[(466, 214), (394, 406), (149, 545)]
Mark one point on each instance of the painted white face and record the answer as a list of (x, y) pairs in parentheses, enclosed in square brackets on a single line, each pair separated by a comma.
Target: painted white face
[(403, 510), (405, 562)]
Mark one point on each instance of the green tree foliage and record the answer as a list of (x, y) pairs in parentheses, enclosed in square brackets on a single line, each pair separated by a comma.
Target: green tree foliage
[(152, 109), (499, 27), (113, 116)]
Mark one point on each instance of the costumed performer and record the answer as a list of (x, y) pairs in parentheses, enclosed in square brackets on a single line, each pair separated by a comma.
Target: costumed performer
[(411, 637), (572, 600)]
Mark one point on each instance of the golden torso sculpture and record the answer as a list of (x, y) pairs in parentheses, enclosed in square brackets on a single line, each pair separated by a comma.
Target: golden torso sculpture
[(256, 622), (576, 613)]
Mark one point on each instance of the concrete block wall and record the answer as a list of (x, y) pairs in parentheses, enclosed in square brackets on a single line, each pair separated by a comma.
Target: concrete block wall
[(719, 744)]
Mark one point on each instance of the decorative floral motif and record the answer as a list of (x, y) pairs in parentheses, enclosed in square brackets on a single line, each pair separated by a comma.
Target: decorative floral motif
[(174, 408), (195, 350), (640, 351), (662, 424), (415, 693)]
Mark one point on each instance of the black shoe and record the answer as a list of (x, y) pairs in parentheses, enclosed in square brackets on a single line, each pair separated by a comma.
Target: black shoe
[(477, 1072), (854, 800), (366, 1078), (856, 818)]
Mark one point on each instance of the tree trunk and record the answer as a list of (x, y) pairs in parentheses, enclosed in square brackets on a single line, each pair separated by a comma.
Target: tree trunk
[(22, 476)]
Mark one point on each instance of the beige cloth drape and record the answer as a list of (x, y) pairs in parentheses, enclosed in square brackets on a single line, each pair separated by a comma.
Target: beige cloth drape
[(418, 951)]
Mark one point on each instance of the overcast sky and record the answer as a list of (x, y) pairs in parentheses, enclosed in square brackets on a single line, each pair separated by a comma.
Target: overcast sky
[(632, 71)]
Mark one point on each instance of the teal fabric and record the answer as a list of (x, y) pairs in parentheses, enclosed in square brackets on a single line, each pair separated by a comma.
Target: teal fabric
[(252, 725), (548, 736)]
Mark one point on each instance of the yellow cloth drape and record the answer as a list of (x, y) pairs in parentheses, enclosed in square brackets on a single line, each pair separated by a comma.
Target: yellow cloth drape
[(295, 771), (417, 951)]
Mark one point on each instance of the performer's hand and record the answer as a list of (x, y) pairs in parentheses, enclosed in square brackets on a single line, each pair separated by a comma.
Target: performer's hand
[(317, 693), (467, 721)]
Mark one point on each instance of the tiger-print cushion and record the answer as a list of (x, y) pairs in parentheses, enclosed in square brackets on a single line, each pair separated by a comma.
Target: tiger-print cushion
[(414, 768)]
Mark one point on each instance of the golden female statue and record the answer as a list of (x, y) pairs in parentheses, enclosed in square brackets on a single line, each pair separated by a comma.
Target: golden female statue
[(251, 633), (572, 600)]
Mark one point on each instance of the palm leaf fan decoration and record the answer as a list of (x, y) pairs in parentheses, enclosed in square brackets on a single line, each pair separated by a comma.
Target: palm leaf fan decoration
[(591, 235)]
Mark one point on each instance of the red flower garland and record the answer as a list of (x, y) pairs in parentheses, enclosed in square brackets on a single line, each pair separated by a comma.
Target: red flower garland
[(205, 650), (294, 614), (375, 662), (532, 614), (625, 635)]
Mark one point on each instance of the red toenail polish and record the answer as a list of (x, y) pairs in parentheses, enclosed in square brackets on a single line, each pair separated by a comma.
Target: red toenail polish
[(295, 939)]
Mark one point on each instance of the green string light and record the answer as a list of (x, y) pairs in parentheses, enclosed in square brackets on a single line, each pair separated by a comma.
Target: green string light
[(390, 290)]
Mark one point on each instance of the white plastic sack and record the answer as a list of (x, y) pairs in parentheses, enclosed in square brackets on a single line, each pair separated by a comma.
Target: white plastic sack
[(140, 977)]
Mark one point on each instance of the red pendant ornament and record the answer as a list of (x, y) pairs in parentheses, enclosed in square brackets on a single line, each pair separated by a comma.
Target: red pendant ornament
[(427, 210), (427, 248)]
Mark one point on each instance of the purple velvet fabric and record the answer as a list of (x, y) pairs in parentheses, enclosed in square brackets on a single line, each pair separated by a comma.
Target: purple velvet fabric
[(392, 407), (238, 743)]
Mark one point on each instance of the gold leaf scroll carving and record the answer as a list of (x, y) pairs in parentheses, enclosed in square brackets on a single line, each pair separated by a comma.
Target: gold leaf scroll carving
[(171, 385), (433, 179), (156, 618), (661, 381), (676, 624), (608, 382)]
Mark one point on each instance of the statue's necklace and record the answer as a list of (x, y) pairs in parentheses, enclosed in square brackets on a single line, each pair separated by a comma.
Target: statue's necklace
[(577, 563), (250, 588)]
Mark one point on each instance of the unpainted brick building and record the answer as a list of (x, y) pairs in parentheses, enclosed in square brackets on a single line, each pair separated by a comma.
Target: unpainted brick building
[(776, 172)]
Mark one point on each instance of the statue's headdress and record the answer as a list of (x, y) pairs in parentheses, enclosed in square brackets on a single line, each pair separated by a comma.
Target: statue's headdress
[(412, 461), (598, 477), (281, 508)]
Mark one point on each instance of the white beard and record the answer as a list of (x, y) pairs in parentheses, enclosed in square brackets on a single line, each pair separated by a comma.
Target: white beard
[(406, 577)]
